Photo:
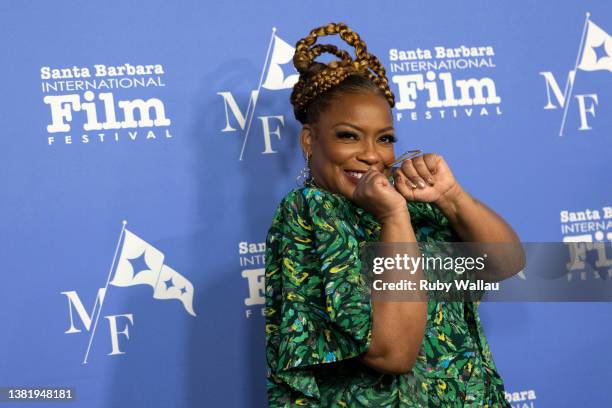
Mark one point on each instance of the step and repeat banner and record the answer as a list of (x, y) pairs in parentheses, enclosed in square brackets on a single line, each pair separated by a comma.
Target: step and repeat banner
[(145, 145)]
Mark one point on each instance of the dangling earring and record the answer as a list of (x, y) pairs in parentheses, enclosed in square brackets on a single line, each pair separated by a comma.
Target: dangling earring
[(305, 174)]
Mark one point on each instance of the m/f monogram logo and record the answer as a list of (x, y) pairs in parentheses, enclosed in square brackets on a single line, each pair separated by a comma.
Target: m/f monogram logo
[(75, 305), (594, 54), (282, 54), (139, 263)]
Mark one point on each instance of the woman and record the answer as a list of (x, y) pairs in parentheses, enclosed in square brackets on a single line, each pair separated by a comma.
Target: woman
[(327, 343)]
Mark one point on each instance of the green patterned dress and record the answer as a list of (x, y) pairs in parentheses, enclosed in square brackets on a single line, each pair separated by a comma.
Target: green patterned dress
[(318, 316)]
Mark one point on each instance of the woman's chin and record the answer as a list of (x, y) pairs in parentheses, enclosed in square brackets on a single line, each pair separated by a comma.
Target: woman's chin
[(347, 190), (342, 187)]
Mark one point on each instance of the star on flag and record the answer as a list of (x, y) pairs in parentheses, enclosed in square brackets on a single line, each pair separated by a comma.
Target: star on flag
[(140, 263), (597, 49)]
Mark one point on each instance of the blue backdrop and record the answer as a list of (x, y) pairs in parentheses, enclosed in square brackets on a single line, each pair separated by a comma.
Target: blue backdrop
[(175, 117)]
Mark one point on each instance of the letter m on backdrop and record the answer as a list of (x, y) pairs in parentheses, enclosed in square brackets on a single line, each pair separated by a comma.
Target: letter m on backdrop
[(75, 304), (232, 106), (553, 89)]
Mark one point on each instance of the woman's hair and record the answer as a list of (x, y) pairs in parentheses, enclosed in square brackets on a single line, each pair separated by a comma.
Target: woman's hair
[(319, 83)]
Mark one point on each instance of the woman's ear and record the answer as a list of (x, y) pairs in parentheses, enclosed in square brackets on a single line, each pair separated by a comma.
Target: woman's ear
[(306, 139)]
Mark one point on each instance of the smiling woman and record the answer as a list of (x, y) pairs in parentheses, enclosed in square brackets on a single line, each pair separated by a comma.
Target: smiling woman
[(351, 138), (327, 342)]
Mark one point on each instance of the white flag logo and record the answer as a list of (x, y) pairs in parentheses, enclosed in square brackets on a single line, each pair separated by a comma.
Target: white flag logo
[(597, 50), (281, 55), (140, 263)]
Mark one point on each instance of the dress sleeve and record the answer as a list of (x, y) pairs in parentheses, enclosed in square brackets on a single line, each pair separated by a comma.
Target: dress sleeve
[(431, 225), (347, 296), (326, 309)]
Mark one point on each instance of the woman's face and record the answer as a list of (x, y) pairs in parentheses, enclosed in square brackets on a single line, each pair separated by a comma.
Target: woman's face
[(353, 134)]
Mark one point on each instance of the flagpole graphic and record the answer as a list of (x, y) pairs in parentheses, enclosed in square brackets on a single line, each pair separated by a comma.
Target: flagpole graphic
[(140, 263), (570, 83), (279, 53), (110, 272), (252, 113)]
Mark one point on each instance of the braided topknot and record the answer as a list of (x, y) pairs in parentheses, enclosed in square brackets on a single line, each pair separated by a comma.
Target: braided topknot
[(317, 79)]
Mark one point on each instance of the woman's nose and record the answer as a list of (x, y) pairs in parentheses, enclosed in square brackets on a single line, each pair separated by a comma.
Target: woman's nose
[(368, 154)]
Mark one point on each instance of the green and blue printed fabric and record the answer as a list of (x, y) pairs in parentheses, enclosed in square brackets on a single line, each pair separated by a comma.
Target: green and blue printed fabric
[(318, 316)]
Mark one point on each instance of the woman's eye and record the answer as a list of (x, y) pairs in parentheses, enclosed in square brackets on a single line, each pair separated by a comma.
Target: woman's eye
[(346, 135), (389, 139)]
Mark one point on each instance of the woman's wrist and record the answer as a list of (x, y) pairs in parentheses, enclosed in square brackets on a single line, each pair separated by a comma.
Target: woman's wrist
[(399, 217), (450, 202), (396, 227)]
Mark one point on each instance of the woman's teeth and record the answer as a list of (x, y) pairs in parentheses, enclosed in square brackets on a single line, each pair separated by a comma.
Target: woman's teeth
[(355, 174)]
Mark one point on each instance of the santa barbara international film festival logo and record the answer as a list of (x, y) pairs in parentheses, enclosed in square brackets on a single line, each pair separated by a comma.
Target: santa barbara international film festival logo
[(444, 82), (104, 104), (139, 263), (589, 229), (594, 54), (251, 256), (239, 119)]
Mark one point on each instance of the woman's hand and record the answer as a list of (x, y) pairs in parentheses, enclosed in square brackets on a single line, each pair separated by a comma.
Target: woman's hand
[(427, 178), (375, 194)]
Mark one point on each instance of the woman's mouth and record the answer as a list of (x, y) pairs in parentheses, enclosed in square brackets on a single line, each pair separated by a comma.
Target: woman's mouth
[(354, 176)]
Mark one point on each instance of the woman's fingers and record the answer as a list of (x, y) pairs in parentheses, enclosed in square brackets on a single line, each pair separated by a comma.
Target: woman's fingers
[(367, 176), (379, 179), (411, 173), (364, 186), (401, 185), (423, 170), (405, 179), (432, 160)]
